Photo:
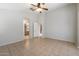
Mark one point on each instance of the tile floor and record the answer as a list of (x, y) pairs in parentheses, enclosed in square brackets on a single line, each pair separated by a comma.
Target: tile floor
[(40, 47)]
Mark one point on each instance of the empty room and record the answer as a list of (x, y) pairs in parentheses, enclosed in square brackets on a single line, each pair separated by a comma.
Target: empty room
[(39, 29)]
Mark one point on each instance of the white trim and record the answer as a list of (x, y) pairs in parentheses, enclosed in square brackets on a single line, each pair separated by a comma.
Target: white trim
[(7, 43)]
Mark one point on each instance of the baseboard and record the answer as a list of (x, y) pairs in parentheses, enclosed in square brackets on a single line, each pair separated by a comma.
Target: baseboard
[(59, 39), (8, 43)]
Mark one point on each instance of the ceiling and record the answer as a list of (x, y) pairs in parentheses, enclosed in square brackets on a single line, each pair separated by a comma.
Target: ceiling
[(52, 6), (26, 6), (12, 6)]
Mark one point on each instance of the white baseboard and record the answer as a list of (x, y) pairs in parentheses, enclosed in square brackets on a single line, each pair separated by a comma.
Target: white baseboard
[(58, 38), (7, 43)]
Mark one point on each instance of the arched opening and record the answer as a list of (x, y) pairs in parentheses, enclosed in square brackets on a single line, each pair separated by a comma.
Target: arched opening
[(26, 28)]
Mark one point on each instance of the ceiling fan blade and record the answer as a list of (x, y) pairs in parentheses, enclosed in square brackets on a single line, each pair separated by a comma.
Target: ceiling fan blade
[(45, 8), (38, 5), (33, 5), (32, 9), (43, 3)]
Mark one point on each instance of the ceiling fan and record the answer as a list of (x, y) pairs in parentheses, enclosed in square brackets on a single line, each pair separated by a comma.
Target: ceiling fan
[(40, 7)]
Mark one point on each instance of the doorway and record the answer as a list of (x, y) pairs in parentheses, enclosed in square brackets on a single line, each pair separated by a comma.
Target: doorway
[(26, 28)]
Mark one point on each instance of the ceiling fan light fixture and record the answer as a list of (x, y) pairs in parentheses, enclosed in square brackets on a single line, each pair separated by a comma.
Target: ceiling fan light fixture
[(39, 7)]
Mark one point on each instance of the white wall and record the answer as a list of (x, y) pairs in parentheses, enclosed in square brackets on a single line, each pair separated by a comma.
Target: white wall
[(11, 25), (78, 25), (62, 23)]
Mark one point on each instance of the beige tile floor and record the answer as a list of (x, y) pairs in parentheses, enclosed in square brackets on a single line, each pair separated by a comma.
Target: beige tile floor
[(40, 47)]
